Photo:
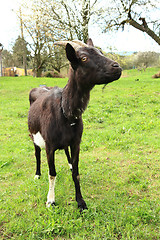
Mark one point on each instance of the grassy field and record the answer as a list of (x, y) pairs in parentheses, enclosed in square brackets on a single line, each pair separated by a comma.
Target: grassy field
[(119, 165)]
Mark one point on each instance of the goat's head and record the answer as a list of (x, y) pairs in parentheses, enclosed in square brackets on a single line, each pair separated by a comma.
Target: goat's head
[(90, 64)]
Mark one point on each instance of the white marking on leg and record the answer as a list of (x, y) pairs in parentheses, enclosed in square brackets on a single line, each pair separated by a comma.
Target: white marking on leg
[(70, 165), (37, 177), (38, 140), (51, 193)]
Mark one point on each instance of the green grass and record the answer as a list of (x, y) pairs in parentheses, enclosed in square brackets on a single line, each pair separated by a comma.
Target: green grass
[(119, 165)]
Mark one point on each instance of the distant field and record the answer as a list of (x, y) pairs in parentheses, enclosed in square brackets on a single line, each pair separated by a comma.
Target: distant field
[(119, 165)]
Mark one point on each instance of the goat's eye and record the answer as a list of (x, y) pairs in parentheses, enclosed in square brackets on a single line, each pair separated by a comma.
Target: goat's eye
[(84, 59)]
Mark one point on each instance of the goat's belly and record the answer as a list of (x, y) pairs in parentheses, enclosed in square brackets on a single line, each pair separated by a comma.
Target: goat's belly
[(38, 140)]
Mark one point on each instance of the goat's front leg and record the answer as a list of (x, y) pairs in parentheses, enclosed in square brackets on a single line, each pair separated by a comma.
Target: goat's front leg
[(76, 178), (52, 178), (38, 161), (68, 158)]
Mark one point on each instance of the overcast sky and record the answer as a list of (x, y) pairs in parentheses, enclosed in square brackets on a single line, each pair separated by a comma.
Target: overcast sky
[(130, 40)]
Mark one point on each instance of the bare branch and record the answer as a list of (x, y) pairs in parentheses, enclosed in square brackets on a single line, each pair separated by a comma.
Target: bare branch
[(130, 12)]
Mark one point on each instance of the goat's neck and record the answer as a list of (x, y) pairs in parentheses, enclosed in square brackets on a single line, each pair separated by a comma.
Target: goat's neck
[(75, 98)]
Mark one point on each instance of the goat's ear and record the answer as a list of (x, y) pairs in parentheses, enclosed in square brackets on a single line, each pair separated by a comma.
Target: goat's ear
[(71, 55), (90, 42)]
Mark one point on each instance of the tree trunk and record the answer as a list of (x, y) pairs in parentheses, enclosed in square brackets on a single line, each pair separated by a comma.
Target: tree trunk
[(86, 18), (24, 65), (22, 36), (39, 72)]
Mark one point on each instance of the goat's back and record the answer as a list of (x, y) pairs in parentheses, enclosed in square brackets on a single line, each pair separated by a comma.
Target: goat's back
[(45, 103), (37, 92)]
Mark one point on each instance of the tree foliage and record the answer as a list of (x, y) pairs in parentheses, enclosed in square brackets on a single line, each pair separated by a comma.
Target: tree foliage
[(144, 60), (19, 51), (7, 58)]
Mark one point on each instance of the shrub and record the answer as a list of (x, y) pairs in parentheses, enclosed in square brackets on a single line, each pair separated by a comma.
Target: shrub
[(52, 74)]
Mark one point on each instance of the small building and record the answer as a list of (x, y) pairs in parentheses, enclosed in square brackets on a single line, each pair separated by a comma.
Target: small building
[(14, 71)]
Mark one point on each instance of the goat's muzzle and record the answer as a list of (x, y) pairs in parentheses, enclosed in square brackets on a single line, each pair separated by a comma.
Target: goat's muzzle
[(115, 68), (113, 72), (116, 65)]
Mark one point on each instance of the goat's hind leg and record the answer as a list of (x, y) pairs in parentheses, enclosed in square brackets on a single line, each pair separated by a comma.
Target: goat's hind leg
[(38, 161)]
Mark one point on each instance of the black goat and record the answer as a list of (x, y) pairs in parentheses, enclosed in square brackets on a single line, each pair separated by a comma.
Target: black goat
[(55, 115)]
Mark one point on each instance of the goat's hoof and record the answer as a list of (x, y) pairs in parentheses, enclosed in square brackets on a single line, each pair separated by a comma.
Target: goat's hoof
[(37, 177), (82, 206), (48, 204)]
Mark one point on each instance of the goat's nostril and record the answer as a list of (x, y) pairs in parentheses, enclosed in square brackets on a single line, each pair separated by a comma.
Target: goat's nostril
[(115, 65)]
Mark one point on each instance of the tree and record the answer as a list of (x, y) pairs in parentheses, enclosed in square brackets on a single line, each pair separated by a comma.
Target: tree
[(20, 51), (144, 60), (70, 16), (140, 14), (58, 59), (32, 24), (7, 59), (39, 34)]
